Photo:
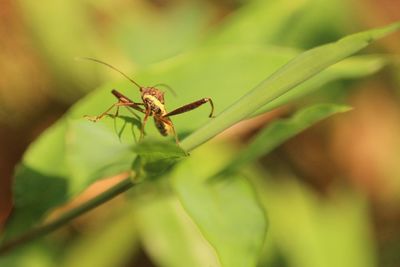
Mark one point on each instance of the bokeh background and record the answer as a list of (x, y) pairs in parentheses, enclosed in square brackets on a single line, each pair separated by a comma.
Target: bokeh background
[(356, 152)]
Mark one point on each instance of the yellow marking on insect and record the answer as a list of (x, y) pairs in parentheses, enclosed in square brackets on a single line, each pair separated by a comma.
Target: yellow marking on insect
[(156, 102)]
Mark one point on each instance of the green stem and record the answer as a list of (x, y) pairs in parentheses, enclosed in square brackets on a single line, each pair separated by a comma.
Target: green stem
[(68, 216)]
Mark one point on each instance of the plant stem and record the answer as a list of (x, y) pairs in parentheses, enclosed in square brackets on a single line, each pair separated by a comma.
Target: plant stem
[(39, 231)]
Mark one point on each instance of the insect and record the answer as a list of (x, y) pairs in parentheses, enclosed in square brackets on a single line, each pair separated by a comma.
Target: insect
[(152, 104)]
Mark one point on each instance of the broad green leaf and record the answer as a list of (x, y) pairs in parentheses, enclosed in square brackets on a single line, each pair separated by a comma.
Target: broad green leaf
[(38, 255), (258, 22), (112, 243), (60, 164), (156, 157), (301, 68), (87, 163), (54, 164), (227, 213), (40, 181), (311, 230), (46, 154), (35, 194), (320, 21), (203, 73), (278, 132), (125, 128), (292, 23), (159, 149), (170, 237), (194, 75), (175, 29)]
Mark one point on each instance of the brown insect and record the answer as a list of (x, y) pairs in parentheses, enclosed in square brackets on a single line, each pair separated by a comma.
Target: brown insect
[(152, 105)]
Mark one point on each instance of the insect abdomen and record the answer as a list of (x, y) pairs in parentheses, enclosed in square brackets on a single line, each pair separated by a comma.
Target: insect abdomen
[(164, 128)]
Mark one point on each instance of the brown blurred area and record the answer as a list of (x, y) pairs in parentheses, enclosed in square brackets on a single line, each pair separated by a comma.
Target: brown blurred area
[(359, 148), (26, 107)]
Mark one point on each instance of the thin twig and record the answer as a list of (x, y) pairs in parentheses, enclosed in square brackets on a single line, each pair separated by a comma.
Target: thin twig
[(67, 217)]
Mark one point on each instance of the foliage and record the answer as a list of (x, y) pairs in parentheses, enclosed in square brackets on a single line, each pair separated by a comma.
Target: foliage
[(178, 214)]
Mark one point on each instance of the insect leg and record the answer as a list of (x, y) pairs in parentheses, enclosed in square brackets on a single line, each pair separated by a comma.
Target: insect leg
[(99, 117), (133, 113), (192, 106), (146, 116), (123, 99)]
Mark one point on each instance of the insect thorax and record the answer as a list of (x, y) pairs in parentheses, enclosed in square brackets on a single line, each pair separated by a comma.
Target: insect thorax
[(154, 100)]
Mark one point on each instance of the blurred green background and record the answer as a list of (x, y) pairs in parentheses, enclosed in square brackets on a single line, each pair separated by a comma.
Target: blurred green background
[(332, 193)]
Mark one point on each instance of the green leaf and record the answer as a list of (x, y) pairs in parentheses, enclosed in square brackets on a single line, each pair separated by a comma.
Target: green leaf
[(202, 73), (40, 254), (278, 132), (354, 67), (228, 214), (320, 21), (194, 75), (313, 231), (298, 70), (156, 157), (289, 23), (170, 237), (46, 154), (111, 243), (60, 164), (58, 159), (87, 163), (176, 28), (159, 149), (258, 22), (40, 181)]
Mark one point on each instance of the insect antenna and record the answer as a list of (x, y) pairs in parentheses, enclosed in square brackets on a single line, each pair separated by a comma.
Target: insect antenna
[(167, 87), (112, 67)]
